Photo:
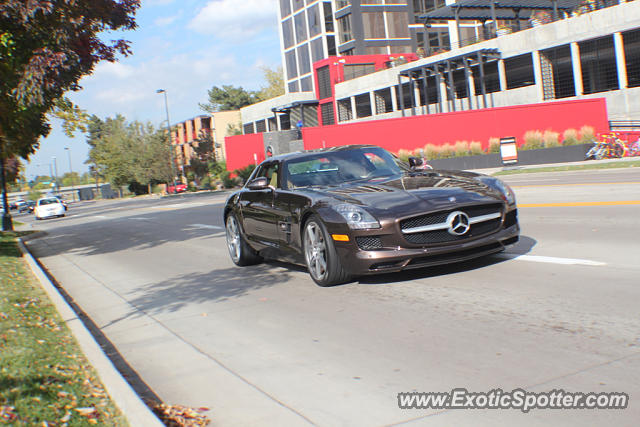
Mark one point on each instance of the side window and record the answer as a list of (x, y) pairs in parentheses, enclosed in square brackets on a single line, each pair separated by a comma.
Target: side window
[(270, 171)]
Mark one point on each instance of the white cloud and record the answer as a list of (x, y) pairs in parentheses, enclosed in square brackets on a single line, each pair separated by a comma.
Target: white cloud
[(167, 20), (232, 19)]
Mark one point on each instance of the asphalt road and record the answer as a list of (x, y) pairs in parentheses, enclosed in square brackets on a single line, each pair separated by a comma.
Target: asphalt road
[(264, 345)]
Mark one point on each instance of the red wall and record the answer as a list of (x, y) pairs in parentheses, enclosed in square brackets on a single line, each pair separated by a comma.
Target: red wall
[(415, 132), (241, 148), (473, 125)]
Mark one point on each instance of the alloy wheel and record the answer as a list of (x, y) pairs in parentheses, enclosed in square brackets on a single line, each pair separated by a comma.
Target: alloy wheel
[(315, 250), (233, 238)]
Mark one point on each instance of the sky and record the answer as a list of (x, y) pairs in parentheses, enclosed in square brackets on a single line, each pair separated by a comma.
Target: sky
[(183, 46)]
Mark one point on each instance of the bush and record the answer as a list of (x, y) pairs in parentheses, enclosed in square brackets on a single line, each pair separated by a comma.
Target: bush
[(461, 149), (570, 137), (404, 155), (227, 181), (587, 135), (34, 195), (431, 152), (245, 172), (551, 139), (494, 145), (475, 148), (205, 183), (533, 140), (447, 151)]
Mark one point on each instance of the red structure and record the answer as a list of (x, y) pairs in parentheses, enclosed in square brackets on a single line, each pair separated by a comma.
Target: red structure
[(414, 132), (410, 133)]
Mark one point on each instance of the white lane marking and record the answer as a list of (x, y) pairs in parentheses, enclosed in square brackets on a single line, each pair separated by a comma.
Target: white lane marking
[(180, 205), (210, 227), (553, 260), (136, 218), (97, 217)]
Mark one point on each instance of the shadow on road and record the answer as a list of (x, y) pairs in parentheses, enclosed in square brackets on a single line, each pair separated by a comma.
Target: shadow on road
[(217, 285), (522, 247)]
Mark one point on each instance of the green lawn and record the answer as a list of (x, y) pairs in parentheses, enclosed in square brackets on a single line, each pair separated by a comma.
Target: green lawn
[(595, 165), (44, 377)]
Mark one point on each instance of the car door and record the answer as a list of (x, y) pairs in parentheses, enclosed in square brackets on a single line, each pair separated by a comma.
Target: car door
[(256, 206)]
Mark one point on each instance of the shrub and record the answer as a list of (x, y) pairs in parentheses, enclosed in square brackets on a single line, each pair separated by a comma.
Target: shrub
[(245, 172), (475, 148), (494, 145), (446, 151), (205, 183), (431, 151), (587, 135), (404, 155), (551, 139), (227, 181), (461, 149), (34, 195), (533, 139), (570, 137)]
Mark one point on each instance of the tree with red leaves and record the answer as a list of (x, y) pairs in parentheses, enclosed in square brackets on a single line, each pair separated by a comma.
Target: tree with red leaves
[(46, 47)]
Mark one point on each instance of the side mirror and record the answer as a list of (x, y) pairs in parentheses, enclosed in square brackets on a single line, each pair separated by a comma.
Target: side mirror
[(261, 183), (418, 163)]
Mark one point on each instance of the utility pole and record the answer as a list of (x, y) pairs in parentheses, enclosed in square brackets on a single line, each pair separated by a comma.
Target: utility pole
[(172, 153), (55, 169), (73, 190)]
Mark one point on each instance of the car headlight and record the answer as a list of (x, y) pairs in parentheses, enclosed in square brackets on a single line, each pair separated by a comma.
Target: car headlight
[(507, 193), (356, 217)]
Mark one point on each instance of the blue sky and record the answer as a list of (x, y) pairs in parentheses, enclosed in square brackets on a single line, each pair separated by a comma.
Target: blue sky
[(183, 46)]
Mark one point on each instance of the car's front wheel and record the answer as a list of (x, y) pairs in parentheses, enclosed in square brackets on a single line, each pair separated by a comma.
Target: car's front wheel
[(320, 255), (241, 253)]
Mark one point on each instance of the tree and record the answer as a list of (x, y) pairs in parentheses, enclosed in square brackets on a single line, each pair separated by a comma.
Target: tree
[(46, 47), (275, 83), (228, 98)]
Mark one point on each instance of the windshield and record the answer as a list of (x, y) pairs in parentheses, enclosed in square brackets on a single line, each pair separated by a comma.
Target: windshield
[(341, 166), (48, 202)]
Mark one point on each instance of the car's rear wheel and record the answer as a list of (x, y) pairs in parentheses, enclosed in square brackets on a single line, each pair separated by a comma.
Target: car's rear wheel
[(241, 253), (320, 255)]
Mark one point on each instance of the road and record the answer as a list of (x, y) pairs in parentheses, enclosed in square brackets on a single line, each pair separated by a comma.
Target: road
[(264, 345)]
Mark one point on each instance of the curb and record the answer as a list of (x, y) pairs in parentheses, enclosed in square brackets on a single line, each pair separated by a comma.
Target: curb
[(132, 407)]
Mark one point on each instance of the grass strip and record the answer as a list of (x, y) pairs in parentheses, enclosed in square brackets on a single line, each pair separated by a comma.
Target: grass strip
[(607, 165), (44, 377)]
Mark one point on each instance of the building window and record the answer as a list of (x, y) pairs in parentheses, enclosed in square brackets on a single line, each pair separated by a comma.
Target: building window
[(342, 3), (293, 86), (328, 17), (408, 97), (491, 77), (304, 62), (351, 71), (248, 128), (598, 61), (317, 50), (285, 121), (424, 6), (290, 59), (432, 90), (519, 71), (363, 105), (384, 104), (285, 7), (373, 23), (273, 125), (631, 41), (557, 73), (306, 85), (324, 82), (297, 5), (300, 26), (287, 33), (261, 126), (328, 117), (331, 46), (376, 50), (398, 24), (344, 24), (315, 24), (344, 110)]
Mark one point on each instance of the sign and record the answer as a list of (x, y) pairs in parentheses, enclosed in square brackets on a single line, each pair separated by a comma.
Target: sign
[(508, 150)]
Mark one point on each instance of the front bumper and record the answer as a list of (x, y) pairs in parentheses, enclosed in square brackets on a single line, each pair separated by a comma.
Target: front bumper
[(362, 262)]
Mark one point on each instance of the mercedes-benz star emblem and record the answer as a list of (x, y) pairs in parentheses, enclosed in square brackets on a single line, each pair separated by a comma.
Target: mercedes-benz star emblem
[(458, 223)]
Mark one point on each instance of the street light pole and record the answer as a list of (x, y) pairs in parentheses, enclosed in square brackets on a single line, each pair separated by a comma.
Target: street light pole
[(171, 152), (55, 169), (73, 190)]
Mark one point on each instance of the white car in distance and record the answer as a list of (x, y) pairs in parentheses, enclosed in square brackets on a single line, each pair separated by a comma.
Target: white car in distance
[(49, 207)]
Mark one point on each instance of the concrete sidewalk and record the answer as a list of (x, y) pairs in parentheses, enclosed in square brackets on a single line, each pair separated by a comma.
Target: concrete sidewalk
[(491, 171)]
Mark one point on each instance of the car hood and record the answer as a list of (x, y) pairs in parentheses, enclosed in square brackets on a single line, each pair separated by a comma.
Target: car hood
[(424, 191)]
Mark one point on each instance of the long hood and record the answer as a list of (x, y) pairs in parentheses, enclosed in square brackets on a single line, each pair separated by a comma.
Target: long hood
[(427, 191)]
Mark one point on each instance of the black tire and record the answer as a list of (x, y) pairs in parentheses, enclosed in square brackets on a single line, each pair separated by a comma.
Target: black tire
[(319, 249), (241, 253)]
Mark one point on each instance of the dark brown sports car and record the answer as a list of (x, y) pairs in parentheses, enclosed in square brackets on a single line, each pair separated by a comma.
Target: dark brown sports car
[(356, 210)]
